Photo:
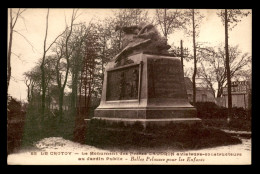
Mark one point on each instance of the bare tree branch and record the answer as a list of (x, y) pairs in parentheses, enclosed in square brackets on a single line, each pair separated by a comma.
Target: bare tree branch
[(33, 48), (19, 57), (17, 15)]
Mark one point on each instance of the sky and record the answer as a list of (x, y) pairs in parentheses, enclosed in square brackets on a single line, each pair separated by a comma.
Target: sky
[(33, 22)]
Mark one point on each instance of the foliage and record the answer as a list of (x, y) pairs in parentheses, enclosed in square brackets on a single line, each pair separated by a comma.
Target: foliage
[(198, 18), (209, 110), (234, 16), (15, 124), (14, 106), (35, 130)]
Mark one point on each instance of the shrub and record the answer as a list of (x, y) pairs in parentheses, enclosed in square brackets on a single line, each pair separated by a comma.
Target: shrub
[(207, 110), (16, 118)]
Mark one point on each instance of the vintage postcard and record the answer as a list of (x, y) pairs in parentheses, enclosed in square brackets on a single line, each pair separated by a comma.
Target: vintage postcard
[(129, 86)]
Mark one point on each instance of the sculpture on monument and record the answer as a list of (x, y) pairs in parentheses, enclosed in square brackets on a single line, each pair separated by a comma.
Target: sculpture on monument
[(141, 38)]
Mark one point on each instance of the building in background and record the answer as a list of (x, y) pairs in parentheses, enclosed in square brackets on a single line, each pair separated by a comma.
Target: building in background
[(241, 94), (203, 93), (53, 104)]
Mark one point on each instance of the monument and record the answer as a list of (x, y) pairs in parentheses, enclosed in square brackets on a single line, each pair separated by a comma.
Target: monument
[(144, 83)]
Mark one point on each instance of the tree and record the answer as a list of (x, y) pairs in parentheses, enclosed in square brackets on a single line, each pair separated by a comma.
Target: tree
[(105, 34), (230, 18), (33, 79), (45, 50), (136, 16), (65, 50), (78, 39), (87, 85), (243, 75), (195, 19), (13, 21), (88, 80), (169, 20), (213, 65), (29, 83)]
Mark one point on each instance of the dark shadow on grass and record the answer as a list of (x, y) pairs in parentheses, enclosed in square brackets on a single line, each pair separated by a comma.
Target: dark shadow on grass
[(35, 130), (118, 136)]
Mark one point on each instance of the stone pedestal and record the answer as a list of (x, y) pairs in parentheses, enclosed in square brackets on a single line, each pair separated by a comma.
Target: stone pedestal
[(149, 89)]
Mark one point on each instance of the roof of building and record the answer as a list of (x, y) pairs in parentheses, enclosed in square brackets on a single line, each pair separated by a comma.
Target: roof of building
[(189, 85)]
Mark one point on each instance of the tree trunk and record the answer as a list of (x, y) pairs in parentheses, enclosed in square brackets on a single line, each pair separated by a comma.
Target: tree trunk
[(85, 97), (43, 92), (49, 102), (61, 94), (28, 94), (195, 60), (32, 96), (80, 94), (74, 93), (9, 52), (182, 57), (165, 32), (219, 92), (102, 61), (42, 70), (72, 100), (228, 67)]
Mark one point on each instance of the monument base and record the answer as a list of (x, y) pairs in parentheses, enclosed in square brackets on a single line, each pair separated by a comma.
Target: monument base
[(150, 90), (147, 122)]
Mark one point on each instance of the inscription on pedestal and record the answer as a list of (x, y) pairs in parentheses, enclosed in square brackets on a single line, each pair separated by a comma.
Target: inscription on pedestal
[(123, 83), (164, 79)]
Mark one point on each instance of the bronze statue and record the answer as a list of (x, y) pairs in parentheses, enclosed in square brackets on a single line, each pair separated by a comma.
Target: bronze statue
[(144, 37), (130, 32)]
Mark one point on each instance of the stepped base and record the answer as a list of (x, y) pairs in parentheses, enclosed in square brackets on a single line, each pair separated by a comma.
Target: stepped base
[(145, 122)]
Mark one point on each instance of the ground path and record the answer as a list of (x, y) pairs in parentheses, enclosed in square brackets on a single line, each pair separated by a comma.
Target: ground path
[(56, 150)]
